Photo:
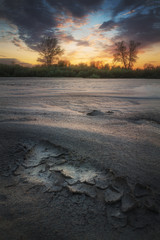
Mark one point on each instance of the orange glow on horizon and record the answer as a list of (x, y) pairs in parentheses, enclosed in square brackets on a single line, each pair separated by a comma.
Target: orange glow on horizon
[(79, 54)]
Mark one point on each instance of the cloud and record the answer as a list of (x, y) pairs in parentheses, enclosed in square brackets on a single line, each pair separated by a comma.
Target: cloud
[(130, 12), (108, 26), (128, 5), (140, 22), (82, 43), (78, 8), (65, 21), (33, 18), (69, 38), (12, 61), (125, 7), (140, 27), (37, 18), (17, 42)]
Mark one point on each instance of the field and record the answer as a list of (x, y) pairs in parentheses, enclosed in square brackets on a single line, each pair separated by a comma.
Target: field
[(79, 158)]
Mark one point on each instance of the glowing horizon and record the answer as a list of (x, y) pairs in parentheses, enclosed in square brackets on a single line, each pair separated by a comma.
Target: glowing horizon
[(86, 31)]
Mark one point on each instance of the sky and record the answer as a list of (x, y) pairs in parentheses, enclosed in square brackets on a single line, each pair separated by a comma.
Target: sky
[(87, 30)]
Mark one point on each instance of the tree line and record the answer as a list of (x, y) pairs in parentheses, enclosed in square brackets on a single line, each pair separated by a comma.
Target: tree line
[(49, 51), (124, 53), (81, 70)]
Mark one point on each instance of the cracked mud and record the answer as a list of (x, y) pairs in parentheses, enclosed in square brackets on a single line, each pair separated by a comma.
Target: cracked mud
[(79, 159), (51, 174)]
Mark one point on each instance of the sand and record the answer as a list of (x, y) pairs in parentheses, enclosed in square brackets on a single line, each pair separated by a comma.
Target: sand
[(79, 159)]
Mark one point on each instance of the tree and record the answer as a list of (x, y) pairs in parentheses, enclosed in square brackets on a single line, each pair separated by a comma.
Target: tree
[(97, 64), (121, 53), (126, 53), (106, 66), (64, 63), (148, 66), (132, 53), (48, 49)]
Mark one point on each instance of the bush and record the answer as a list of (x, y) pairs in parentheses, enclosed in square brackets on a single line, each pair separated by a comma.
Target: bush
[(81, 70)]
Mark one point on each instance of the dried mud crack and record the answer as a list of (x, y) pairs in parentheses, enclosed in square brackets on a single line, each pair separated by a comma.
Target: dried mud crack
[(48, 183)]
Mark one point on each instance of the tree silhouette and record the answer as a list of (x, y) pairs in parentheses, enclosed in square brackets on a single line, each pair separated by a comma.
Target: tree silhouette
[(126, 53), (48, 49), (132, 53), (148, 66), (64, 63), (121, 54), (96, 64)]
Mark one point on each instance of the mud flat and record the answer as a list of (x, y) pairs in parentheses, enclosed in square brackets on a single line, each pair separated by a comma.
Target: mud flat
[(78, 165)]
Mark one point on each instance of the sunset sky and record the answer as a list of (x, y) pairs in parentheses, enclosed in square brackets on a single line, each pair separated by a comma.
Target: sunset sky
[(87, 29)]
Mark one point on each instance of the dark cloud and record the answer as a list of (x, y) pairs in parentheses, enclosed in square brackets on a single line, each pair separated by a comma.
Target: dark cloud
[(140, 23), (140, 27), (78, 8), (129, 5), (35, 18), (107, 26), (9, 33), (16, 42), (69, 38), (82, 43), (12, 61), (136, 5)]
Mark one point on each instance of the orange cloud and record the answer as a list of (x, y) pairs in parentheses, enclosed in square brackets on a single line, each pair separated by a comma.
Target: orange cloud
[(130, 12)]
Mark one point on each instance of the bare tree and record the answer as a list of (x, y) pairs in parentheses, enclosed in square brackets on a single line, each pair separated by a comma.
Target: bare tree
[(126, 53), (132, 53), (121, 53), (48, 49)]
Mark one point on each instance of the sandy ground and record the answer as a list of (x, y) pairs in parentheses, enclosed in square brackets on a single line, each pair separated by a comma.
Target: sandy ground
[(79, 162)]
